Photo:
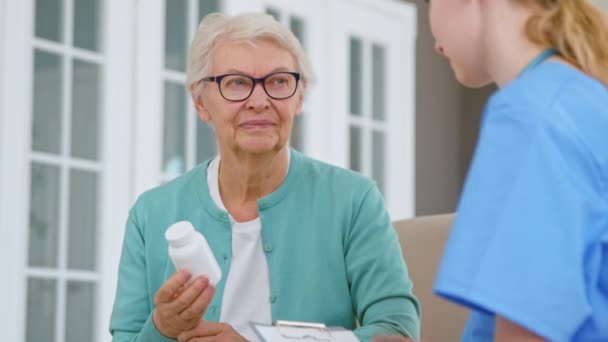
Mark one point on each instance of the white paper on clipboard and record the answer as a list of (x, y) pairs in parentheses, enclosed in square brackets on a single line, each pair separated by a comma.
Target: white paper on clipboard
[(302, 331)]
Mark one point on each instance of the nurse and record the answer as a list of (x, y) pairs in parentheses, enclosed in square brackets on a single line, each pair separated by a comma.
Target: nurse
[(528, 253)]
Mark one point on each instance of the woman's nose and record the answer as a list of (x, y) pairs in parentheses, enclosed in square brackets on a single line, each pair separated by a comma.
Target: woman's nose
[(258, 100), (438, 48)]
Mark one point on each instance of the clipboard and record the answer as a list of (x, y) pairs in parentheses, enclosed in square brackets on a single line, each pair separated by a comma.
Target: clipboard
[(294, 331)]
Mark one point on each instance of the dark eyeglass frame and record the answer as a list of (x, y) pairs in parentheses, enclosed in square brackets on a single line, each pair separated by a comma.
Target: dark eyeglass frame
[(218, 79)]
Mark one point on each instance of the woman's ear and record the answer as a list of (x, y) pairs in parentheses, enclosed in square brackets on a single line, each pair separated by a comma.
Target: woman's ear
[(196, 91)]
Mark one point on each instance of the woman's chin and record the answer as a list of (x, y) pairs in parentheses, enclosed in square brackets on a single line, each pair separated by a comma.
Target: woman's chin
[(259, 145), (470, 80)]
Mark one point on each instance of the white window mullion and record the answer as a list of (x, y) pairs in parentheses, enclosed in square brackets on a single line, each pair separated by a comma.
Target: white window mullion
[(62, 253), (190, 150), (51, 159), (148, 118), (373, 124), (15, 139), (50, 273), (174, 76), (60, 49), (191, 138), (117, 104), (366, 108), (66, 132)]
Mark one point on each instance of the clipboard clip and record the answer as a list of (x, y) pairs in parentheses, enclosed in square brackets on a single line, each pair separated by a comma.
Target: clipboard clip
[(303, 330)]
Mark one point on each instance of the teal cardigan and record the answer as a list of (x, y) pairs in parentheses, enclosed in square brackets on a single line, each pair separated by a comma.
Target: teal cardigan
[(333, 255)]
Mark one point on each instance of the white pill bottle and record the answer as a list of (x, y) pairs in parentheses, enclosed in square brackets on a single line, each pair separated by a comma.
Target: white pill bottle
[(189, 250)]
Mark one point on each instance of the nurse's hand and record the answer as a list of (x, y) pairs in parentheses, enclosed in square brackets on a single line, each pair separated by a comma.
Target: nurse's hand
[(179, 307), (211, 331)]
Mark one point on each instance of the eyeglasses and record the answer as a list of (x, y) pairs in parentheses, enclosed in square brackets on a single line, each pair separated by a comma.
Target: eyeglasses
[(238, 87)]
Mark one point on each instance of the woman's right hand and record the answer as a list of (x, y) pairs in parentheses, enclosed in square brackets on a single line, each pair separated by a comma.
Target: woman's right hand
[(179, 307)]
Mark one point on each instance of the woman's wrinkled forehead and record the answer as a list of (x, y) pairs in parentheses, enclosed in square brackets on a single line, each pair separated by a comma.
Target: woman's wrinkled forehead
[(251, 56)]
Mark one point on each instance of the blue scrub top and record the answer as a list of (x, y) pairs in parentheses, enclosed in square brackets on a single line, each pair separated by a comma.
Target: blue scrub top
[(530, 239)]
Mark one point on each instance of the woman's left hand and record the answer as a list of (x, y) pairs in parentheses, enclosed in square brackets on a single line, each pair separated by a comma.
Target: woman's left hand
[(210, 331)]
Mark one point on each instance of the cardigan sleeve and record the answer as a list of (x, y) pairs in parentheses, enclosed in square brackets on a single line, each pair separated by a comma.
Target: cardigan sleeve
[(131, 319), (380, 286)]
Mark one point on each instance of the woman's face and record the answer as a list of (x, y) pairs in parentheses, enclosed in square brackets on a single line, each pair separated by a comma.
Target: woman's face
[(457, 28), (259, 124)]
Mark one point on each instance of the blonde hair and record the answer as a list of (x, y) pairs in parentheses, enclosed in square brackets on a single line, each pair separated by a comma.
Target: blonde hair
[(576, 29), (216, 28)]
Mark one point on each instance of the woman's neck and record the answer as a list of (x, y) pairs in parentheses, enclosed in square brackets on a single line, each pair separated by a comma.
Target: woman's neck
[(508, 48), (244, 178)]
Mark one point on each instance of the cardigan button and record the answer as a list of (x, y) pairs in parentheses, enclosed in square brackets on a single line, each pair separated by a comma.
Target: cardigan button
[(273, 298), (268, 247)]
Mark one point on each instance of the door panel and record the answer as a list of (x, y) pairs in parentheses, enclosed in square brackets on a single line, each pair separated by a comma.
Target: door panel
[(373, 49)]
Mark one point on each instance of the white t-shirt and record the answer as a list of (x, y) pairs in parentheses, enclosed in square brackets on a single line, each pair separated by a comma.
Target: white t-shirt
[(247, 290)]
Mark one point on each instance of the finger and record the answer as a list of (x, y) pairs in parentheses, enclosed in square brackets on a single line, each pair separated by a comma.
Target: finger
[(189, 295), (200, 304), (203, 339), (203, 329), (178, 292), (172, 285)]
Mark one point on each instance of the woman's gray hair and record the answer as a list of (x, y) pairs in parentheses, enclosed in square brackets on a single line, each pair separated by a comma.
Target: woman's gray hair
[(219, 28)]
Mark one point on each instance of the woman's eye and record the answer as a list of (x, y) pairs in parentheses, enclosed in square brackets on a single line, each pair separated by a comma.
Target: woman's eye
[(237, 82), (279, 81)]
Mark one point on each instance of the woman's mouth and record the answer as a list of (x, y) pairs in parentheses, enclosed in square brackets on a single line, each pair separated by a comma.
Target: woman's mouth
[(257, 124)]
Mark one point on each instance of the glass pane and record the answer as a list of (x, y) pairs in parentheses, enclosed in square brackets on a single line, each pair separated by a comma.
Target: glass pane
[(176, 20), (274, 12), (49, 17), (174, 130), (356, 76), (41, 308), (206, 145), (297, 133), (355, 148), (46, 125), (379, 80), (82, 233), (297, 27), (207, 6), (44, 215), (87, 22), (80, 308), (85, 110), (378, 160)]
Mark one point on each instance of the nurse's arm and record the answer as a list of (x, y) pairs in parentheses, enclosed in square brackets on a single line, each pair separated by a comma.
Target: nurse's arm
[(507, 331)]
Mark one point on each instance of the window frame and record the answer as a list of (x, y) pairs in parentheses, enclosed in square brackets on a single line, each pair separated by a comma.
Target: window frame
[(114, 177)]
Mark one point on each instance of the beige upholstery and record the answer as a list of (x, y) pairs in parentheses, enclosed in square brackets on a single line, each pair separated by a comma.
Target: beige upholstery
[(422, 240)]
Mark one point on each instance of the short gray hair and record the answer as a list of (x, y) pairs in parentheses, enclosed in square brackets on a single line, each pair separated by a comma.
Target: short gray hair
[(216, 28)]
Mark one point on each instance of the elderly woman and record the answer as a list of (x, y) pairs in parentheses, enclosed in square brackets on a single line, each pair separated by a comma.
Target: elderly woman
[(296, 239)]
